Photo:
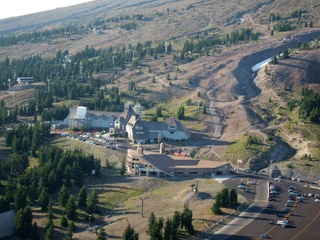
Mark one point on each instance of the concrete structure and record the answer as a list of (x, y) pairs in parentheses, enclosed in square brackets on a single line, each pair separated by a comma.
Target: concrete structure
[(7, 222), (159, 164), (25, 80), (81, 117), (140, 131)]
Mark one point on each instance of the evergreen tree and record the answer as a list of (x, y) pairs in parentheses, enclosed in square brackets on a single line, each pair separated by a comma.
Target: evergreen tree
[(158, 112), (64, 221), (50, 210), (34, 235), (4, 204), (233, 198), (215, 208), (167, 229), (180, 113), (151, 222), (130, 234), (63, 196), (92, 202), (43, 199), (71, 227), (49, 232), (204, 109), (82, 198), (71, 208), (224, 197), (186, 220), (23, 224), (123, 167), (176, 220), (67, 176), (20, 198), (102, 234)]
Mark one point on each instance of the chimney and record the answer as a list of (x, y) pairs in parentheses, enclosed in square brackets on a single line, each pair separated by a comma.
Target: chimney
[(140, 149), (161, 150)]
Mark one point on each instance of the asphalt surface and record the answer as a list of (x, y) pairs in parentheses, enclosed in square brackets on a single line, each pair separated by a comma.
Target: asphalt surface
[(254, 220)]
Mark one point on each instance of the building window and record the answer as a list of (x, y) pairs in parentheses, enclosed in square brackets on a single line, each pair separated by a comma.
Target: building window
[(178, 173), (172, 133), (193, 172)]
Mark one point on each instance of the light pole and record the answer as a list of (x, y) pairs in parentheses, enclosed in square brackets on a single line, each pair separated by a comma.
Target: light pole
[(270, 169), (113, 61), (89, 219), (48, 80), (142, 199)]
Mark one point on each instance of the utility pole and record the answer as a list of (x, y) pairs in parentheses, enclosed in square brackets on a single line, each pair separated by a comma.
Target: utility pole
[(9, 80), (133, 54), (142, 199), (48, 80), (113, 61)]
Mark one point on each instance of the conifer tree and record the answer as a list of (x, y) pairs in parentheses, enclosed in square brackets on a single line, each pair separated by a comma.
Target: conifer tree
[(92, 202), (63, 196), (102, 234), (82, 198), (130, 234), (43, 199), (23, 222), (34, 235), (64, 221), (71, 208)]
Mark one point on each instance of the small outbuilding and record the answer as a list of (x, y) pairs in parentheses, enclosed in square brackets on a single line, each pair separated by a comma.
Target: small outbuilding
[(7, 221)]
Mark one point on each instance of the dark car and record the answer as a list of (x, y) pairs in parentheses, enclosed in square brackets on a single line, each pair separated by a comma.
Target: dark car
[(280, 215), (286, 210)]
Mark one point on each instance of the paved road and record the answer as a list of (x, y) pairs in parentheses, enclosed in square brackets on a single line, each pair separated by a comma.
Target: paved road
[(258, 195), (255, 220)]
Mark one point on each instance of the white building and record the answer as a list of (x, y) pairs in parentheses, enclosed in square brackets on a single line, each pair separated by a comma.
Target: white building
[(153, 132), (81, 117)]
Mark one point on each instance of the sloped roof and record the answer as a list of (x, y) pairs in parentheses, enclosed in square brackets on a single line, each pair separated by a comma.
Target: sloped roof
[(112, 115), (125, 116), (7, 221), (168, 163)]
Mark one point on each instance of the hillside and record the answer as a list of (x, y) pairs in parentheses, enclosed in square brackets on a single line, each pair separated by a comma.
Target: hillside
[(247, 114)]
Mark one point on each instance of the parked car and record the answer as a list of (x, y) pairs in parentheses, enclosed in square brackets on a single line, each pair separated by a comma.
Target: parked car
[(286, 210), (287, 225), (264, 236), (317, 200), (242, 186), (293, 213)]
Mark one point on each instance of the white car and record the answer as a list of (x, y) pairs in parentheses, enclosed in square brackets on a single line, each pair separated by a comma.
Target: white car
[(242, 186), (317, 200), (282, 222), (250, 182), (290, 201)]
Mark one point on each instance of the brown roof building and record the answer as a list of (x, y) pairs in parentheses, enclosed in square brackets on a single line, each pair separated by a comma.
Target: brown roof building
[(147, 163)]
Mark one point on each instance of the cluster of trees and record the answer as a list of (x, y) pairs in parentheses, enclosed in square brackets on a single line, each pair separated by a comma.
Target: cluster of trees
[(7, 115), (101, 103), (225, 198), (159, 229), (310, 105), (38, 36), (202, 45), (26, 139)]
